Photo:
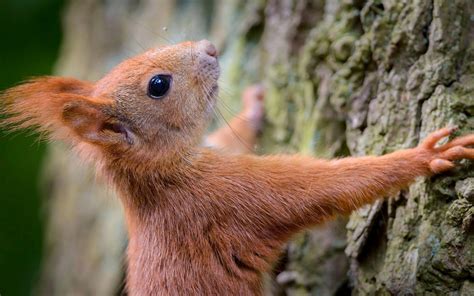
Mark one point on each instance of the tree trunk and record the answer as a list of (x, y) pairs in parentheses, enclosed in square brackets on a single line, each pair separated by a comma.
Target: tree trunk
[(343, 77)]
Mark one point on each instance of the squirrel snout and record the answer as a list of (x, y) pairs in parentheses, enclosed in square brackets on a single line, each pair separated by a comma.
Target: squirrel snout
[(207, 47), (207, 62)]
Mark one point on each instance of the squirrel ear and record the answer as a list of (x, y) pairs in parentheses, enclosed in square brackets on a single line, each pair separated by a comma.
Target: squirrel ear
[(38, 103), (90, 121), (62, 108)]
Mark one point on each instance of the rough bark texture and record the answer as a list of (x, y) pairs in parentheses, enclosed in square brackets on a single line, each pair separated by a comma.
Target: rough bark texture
[(342, 77)]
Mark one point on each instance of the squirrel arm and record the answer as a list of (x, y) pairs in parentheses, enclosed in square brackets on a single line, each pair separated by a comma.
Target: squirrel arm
[(295, 192), (281, 195)]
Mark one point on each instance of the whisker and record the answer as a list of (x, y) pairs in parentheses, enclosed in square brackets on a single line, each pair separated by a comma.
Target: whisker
[(138, 43), (228, 108), (227, 90), (231, 111), (218, 114), (155, 33), (222, 103), (235, 133)]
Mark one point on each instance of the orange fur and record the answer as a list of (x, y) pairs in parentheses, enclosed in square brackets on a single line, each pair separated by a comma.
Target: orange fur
[(201, 221)]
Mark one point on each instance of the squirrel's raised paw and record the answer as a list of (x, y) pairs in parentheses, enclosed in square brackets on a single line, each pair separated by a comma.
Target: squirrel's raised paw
[(252, 98)]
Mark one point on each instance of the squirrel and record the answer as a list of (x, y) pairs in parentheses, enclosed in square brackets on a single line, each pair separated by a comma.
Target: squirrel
[(203, 221)]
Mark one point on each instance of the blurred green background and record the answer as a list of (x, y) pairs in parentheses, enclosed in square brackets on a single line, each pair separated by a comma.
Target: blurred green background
[(30, 32)]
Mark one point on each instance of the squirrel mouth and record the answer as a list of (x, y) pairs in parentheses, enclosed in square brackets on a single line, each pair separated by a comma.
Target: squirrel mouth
[(213, 91)]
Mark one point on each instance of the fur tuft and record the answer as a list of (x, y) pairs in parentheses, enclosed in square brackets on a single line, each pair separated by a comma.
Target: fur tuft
[(38, 104)]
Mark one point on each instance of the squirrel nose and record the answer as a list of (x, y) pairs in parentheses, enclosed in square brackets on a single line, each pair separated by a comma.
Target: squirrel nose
[(208, 48)]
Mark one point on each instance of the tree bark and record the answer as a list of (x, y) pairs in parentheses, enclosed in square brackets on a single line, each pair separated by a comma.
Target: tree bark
[(343, 77)]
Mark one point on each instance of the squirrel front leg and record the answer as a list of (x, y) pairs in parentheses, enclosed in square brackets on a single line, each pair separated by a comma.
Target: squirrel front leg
[(240, 134), (290, 193)]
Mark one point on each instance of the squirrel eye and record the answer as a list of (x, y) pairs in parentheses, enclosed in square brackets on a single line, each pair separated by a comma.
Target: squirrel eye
[(158, 86)]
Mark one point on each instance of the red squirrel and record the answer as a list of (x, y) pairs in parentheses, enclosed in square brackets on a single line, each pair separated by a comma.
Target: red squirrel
[(202, 221)]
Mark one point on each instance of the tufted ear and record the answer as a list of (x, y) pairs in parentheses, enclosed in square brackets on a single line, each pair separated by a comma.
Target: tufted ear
[(63, 108)]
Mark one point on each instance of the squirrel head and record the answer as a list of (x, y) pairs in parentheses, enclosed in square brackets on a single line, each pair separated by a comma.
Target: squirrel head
[(154, 105)]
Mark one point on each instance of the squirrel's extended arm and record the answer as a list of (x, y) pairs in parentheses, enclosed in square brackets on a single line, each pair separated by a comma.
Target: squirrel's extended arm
[(284, 194)]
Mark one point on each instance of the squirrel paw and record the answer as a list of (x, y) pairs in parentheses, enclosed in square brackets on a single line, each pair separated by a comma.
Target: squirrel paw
[(252, 99), (441, 157)]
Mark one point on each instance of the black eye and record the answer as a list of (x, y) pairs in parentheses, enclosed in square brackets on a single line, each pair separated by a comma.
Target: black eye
[(159, 86)]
